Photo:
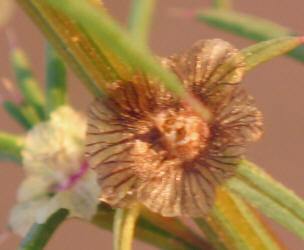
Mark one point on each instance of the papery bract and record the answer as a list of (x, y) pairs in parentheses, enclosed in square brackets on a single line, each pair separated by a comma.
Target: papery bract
[(148, 146)]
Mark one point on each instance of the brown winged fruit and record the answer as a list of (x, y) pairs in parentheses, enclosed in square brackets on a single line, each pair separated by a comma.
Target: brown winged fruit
[(149, 146)]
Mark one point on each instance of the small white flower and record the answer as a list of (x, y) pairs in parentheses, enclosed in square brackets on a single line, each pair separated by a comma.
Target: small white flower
[(56, 174)]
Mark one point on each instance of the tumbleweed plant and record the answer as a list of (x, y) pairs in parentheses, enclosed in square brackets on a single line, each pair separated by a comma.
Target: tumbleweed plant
[(163, 138)]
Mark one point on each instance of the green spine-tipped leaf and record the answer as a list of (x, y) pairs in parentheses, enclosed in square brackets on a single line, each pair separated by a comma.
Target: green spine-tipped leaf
[(269, 196), (56, 92), (11, 146), (27, 82), (252, 27), (265, 51), (140, 19), (24, 114), (40, 234)]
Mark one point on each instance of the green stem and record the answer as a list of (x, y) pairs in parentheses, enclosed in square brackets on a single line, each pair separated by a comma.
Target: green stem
[(124, 226), (40, 234), (140, 19)]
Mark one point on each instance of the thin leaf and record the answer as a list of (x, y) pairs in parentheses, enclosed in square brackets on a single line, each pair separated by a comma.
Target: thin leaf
[(121, 44), (140, 19), (269, 196), (260, 230), (229, 233), (40, 234), (24, 114), (87, 56), (11, 146), (265, 51), (236, 225), (56, 80), (252, 27), (27, 82), (117, 40)]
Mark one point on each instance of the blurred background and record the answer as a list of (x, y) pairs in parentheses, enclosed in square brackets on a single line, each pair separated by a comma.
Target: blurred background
[(277, 86)]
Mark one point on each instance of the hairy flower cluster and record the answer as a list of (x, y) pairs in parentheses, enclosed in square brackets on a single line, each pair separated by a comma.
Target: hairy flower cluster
[(56, 175), (148, 146)]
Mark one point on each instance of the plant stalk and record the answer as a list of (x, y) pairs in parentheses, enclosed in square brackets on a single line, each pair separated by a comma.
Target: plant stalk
[(40, 234), (124, 226)]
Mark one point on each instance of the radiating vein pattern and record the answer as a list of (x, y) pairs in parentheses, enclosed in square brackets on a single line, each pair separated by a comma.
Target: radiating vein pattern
[(148, 146)]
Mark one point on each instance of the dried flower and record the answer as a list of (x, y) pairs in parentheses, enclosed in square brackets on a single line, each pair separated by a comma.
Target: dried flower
[(148, 146), (56, 174)]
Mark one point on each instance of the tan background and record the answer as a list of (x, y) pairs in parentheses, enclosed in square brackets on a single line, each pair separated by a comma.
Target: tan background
[(278, 87)]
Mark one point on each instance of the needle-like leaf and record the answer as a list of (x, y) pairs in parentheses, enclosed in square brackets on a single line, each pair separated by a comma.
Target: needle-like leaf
[(140, 19), (269, 196), (11, 146), (56, 80), (234, 222), (265, 51), (40, 234), (252, 27), (24, 114), (27, 82)]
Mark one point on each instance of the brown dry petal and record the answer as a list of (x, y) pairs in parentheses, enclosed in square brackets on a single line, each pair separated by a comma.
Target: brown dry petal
[(147, 146), (207, 65)]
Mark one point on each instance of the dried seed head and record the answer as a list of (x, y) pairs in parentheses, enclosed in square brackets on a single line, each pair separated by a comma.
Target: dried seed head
[(183, 134), (148, 146)]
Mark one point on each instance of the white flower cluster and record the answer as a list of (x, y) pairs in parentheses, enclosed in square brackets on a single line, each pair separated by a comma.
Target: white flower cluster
[(56, 175)]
